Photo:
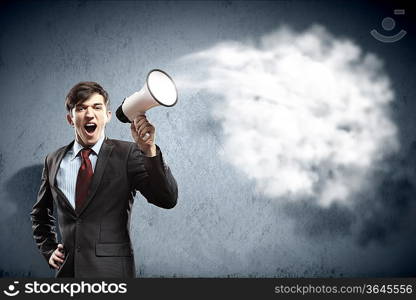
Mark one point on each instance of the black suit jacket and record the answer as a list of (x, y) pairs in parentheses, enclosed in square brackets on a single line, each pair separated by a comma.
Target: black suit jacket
[(97, 239)]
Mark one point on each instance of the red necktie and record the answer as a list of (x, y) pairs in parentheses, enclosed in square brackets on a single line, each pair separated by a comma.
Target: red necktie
[(84, 179)]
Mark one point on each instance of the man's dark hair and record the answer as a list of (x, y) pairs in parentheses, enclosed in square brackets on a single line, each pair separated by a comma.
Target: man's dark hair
[(82, 91)]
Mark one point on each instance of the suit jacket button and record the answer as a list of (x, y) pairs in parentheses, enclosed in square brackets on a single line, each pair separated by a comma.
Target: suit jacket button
[(78, 249)]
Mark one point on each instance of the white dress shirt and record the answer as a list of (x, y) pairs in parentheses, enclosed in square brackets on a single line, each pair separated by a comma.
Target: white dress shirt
[(66, 178)]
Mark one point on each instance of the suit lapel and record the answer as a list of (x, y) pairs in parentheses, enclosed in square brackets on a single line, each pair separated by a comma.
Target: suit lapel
[(56, 162), (103, 156)]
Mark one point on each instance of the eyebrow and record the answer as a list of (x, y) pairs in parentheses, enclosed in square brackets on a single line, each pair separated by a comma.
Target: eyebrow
[(94, 104)]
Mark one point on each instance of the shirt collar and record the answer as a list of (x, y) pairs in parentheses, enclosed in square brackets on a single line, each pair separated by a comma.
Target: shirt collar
[(95, 149)]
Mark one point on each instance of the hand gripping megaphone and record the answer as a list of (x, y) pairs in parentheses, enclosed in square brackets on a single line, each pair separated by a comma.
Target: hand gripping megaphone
[(159, 89)]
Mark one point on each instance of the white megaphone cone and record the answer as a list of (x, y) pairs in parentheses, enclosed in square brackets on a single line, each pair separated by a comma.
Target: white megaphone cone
[(159, 89)]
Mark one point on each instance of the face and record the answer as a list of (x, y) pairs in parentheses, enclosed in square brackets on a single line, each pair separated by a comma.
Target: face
[(89, 119)]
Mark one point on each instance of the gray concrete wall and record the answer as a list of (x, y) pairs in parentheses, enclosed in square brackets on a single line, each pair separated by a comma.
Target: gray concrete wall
[(221, 226)]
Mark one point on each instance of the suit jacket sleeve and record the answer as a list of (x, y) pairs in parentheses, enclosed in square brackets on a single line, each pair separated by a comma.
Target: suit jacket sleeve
[(152, 177), (43, 221)]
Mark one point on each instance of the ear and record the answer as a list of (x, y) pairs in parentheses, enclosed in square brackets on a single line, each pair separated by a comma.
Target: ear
[(108, 116), (69, 119)]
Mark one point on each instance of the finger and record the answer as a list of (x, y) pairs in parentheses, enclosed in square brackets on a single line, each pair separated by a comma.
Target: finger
[(146, 136), (60, 251), (143, 129), (55, 266), (139, 122), (57, 259), (59, 254), (140, 117), (146, 131), (142, 124), (150, 129)]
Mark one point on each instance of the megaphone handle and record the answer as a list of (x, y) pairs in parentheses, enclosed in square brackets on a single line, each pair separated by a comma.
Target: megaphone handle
[(147, 135)]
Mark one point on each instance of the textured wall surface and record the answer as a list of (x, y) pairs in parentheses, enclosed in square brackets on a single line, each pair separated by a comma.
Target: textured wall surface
[(221, 226)]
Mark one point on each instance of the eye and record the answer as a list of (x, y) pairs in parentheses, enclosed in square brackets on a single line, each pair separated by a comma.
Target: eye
[(98, 107)]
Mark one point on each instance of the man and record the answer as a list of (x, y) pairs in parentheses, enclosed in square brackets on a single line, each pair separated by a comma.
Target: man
[(93, 181)]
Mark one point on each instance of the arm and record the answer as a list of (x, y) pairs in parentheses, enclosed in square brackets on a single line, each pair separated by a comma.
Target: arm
[(147, 170), (43, 222), (152, 177)]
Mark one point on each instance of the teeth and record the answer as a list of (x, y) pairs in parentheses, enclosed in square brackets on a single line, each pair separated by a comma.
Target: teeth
[(90, 127)]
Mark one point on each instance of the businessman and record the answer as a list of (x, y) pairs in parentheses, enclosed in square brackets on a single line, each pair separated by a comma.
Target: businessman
[(92, 182)]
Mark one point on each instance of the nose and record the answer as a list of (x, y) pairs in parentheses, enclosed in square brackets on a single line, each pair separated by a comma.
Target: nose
[(89, 112)]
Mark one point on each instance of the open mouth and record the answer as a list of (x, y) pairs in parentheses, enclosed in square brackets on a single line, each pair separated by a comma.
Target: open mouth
[(90, 127)]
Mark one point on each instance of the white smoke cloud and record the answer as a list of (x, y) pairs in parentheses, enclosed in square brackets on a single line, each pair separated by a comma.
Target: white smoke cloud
[(303, 114)]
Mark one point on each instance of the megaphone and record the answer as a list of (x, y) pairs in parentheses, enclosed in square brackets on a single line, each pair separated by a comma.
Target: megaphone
[(159, 89)]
